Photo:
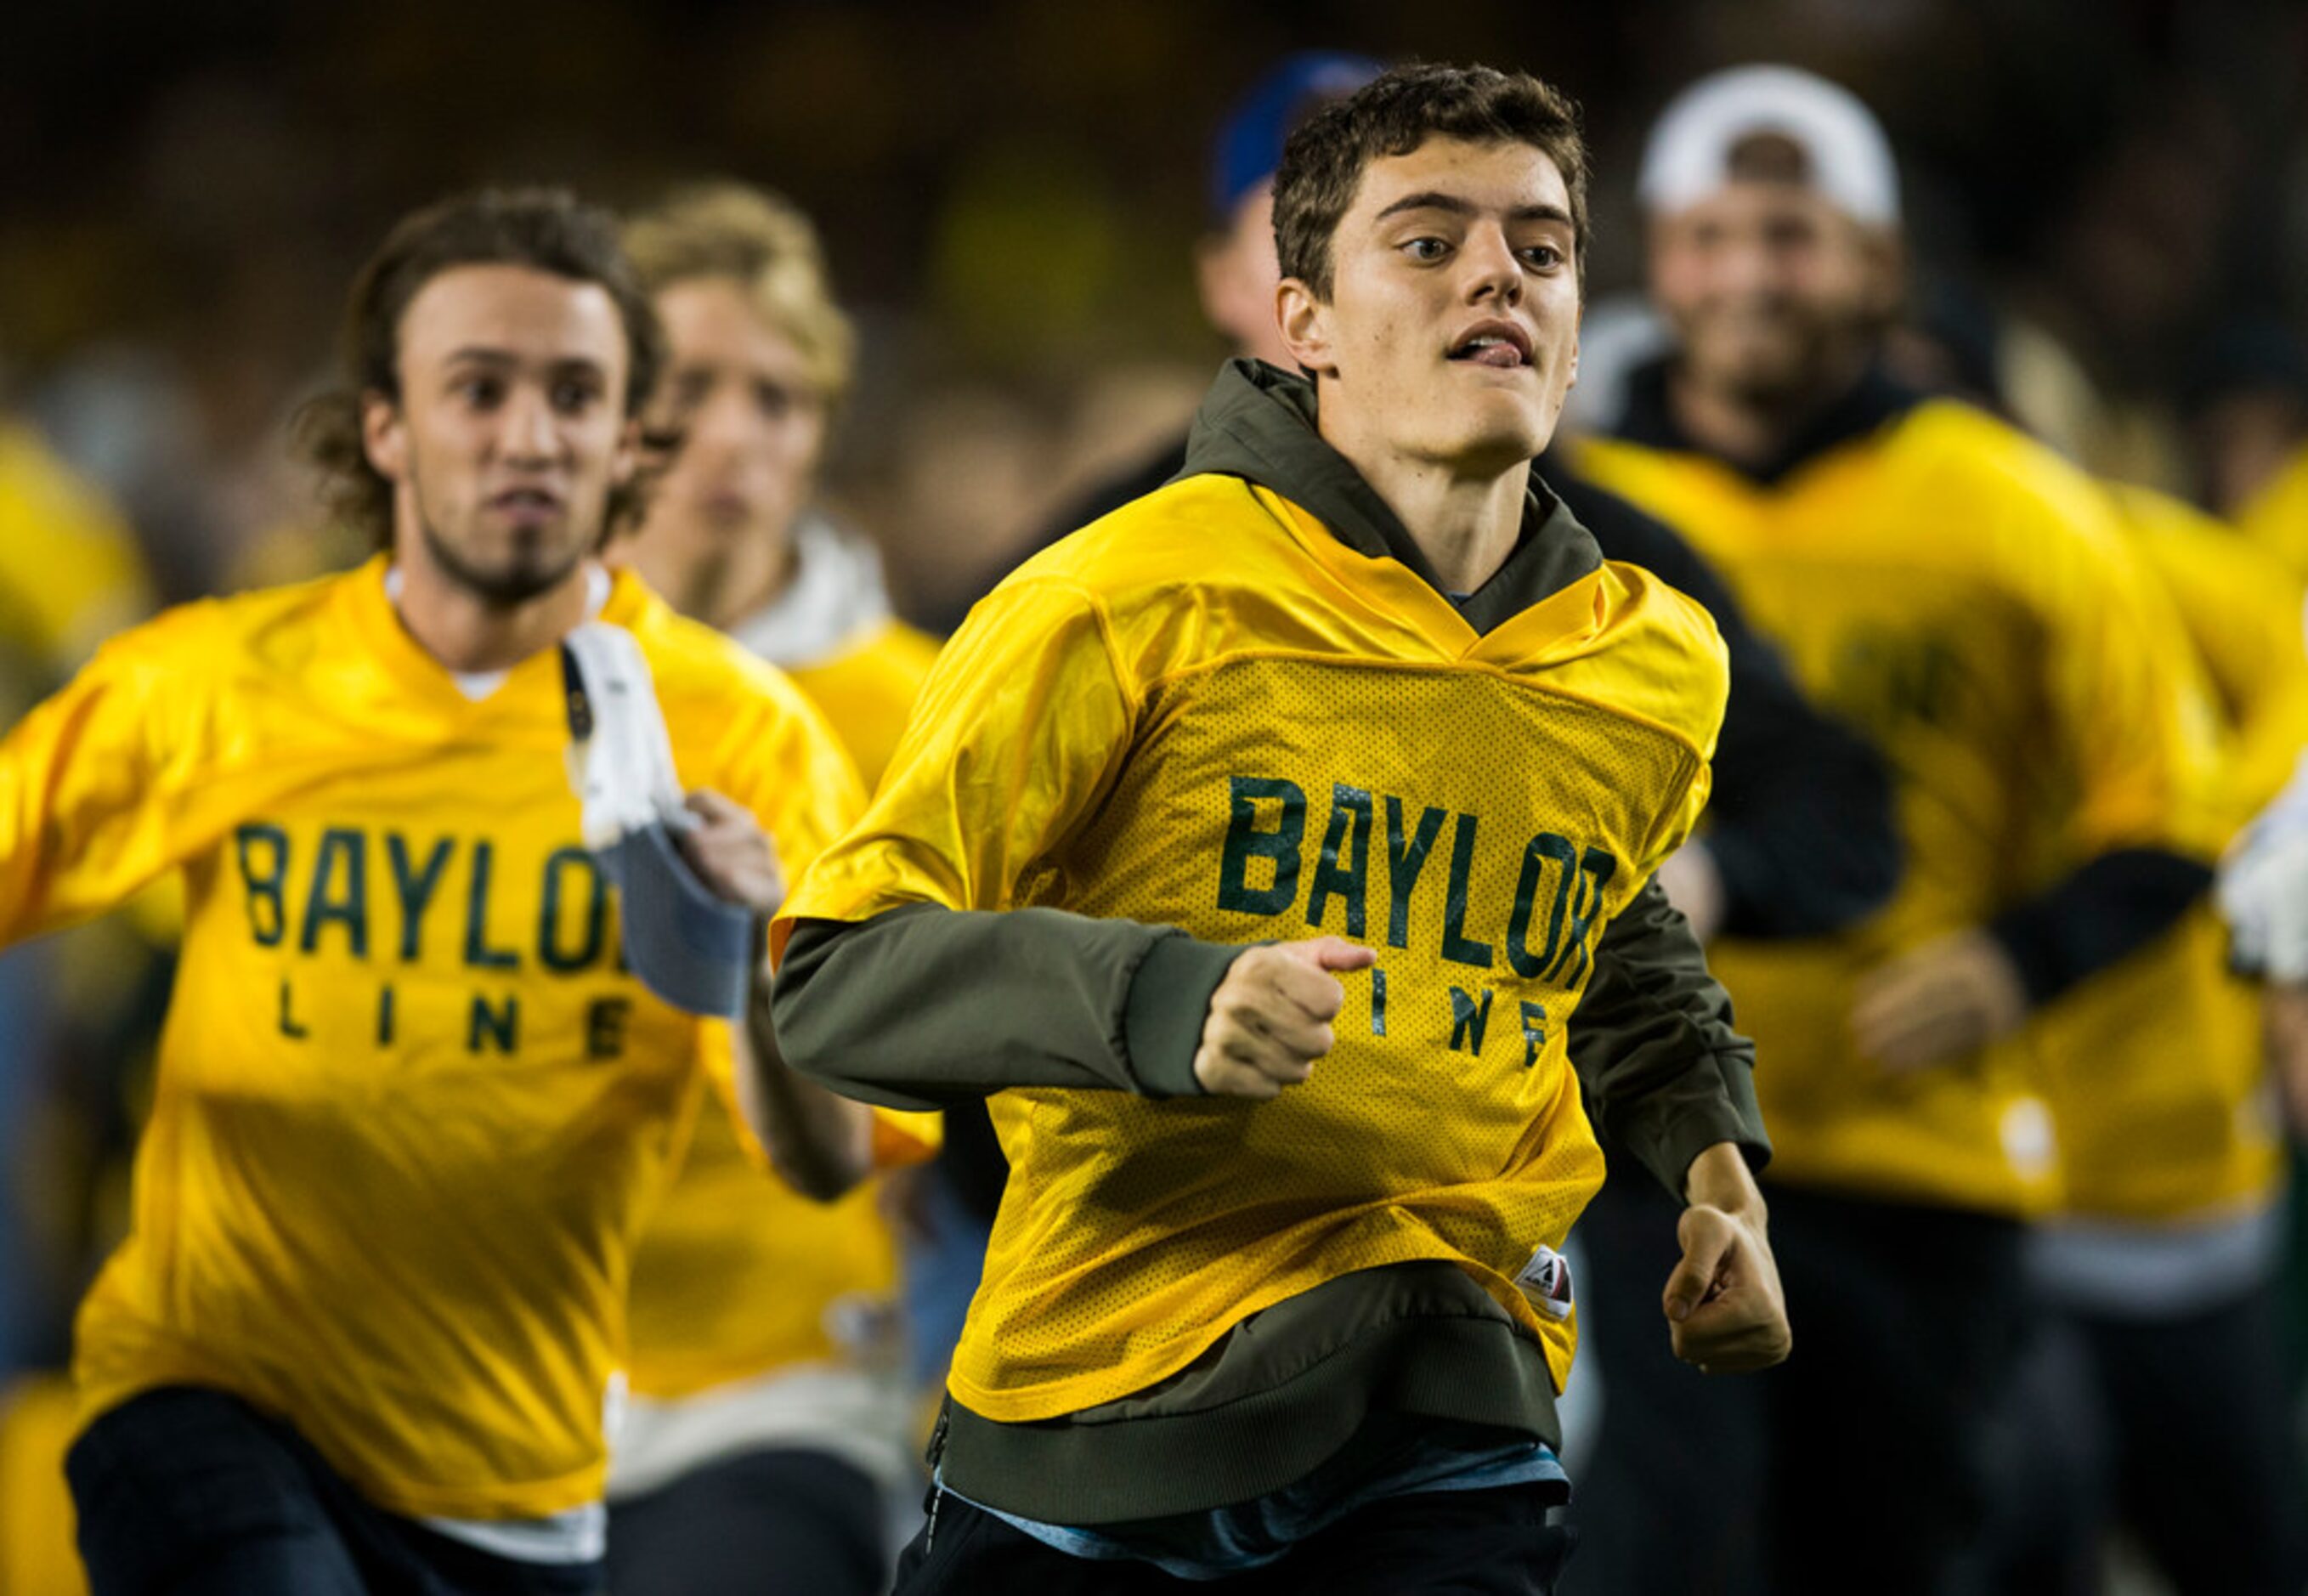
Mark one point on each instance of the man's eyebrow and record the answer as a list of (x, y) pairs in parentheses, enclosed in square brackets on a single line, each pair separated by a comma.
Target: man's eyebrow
[(474, 354), (1435, 200)]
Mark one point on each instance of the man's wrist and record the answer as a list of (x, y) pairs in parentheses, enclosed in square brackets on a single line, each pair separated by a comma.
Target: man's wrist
[(1718, 1177)]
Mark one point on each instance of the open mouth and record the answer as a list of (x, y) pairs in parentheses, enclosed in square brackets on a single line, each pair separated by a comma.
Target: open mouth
[(1501, 345), (528, 504)]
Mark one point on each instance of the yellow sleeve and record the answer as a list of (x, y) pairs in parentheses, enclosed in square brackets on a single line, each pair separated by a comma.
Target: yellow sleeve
[(2242, 609), (2127, 702), (71, 572), (1020, 728), (95, 782)]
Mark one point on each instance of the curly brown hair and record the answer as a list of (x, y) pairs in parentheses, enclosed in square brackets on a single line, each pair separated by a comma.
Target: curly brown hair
[(549, 229), (1323, 163)]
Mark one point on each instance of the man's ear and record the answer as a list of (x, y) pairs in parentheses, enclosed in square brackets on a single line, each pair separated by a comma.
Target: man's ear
[(1304, 322), (384, 436)]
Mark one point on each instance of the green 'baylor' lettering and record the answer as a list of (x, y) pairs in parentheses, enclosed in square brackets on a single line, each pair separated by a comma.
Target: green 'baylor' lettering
[(1342, 870), (1244, 843)]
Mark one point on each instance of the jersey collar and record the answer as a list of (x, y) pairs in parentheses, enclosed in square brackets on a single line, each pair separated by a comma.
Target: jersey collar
[(1876, 400)]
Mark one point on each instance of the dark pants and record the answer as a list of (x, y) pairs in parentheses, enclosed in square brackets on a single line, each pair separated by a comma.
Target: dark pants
[(1468, 1543), (194, 1493), (2189, 1445), (765, 1522), (1859, 1464)]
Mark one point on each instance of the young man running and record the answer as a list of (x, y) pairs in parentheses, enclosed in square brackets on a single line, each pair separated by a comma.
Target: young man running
[(410, 1100), (1274, 1294), (770, 1414)]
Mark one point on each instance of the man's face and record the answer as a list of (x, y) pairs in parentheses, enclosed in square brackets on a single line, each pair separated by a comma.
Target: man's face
[(510, 431), (1238, 270), (1452, 332), (1772, 291), (753, 422)]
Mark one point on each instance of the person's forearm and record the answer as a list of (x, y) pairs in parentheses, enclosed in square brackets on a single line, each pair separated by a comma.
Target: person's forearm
[(922, 1006), (1719, 1178), (820, 1143), (2109, 907), (1666, 1074)]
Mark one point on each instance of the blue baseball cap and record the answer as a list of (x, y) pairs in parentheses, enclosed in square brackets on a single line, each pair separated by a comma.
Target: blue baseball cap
[(1250, 140)]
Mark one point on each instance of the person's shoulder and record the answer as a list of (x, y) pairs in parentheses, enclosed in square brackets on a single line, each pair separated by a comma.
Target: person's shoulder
[(1651, 654), (1185, 530), (1969, 450), (288, 623), (882, 664), (692, 665)]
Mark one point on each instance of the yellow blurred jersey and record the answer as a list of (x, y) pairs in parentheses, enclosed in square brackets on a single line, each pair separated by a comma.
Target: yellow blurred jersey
[(2275, 518), (1963, 596), (1255, 759), (2154, 1066), (37, 1421), (71, 573), (737, 1275), (410, 1108)]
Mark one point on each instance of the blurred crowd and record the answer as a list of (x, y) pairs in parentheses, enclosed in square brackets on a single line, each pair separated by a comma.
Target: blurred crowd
[(2106, 220)]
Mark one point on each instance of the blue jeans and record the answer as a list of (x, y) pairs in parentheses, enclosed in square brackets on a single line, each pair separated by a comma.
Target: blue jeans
[(192, 1492)]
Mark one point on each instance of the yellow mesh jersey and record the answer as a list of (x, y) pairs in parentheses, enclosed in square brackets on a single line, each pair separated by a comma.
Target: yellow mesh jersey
[(2154, 1067), (1305, 740), (1962, 597), (2277, 516), (408, 1107), (738, 1274)]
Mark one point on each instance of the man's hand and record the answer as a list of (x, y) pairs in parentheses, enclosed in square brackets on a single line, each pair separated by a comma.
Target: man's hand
[(732, 855), (1694, 885), (1940, 1001), (1725, 1313), (1270, 1018)]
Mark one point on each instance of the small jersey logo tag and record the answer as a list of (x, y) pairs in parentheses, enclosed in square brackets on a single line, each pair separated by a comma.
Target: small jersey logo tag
[(1546, 1279)]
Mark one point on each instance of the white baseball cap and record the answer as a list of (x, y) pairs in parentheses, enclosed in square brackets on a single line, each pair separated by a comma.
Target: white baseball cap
[(1848, 158)]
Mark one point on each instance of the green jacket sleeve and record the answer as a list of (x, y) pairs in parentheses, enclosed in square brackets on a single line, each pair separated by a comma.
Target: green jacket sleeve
[(921, 1006), (1666, 1076)]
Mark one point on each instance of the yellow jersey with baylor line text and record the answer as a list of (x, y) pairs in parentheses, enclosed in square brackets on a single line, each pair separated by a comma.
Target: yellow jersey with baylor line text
[(2154, 1067), (738, 1275), (1300, 739), (1964, 598), (409, 1106)]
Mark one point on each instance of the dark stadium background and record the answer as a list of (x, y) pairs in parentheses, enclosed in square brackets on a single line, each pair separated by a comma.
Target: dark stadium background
[(1009, 191)]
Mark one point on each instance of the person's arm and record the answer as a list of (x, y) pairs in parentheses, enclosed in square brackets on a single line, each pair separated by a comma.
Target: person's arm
[(792, 790), (922, 1005), (1666, 1076), (1672, 1085), (821, 1142), (2130, 726), (103, 785)]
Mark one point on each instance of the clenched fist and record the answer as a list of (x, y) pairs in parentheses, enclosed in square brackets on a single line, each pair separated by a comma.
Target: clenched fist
[(1726, 1312), (1270, 1018), (732, 855)]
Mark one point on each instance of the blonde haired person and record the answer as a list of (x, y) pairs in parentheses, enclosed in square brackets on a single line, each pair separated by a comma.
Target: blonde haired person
[(768, 1416)]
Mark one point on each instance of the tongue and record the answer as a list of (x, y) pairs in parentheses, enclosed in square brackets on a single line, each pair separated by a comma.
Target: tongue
[(1498, 354)]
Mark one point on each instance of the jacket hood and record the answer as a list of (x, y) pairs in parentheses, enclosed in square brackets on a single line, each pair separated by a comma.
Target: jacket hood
[(1258, 423)]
